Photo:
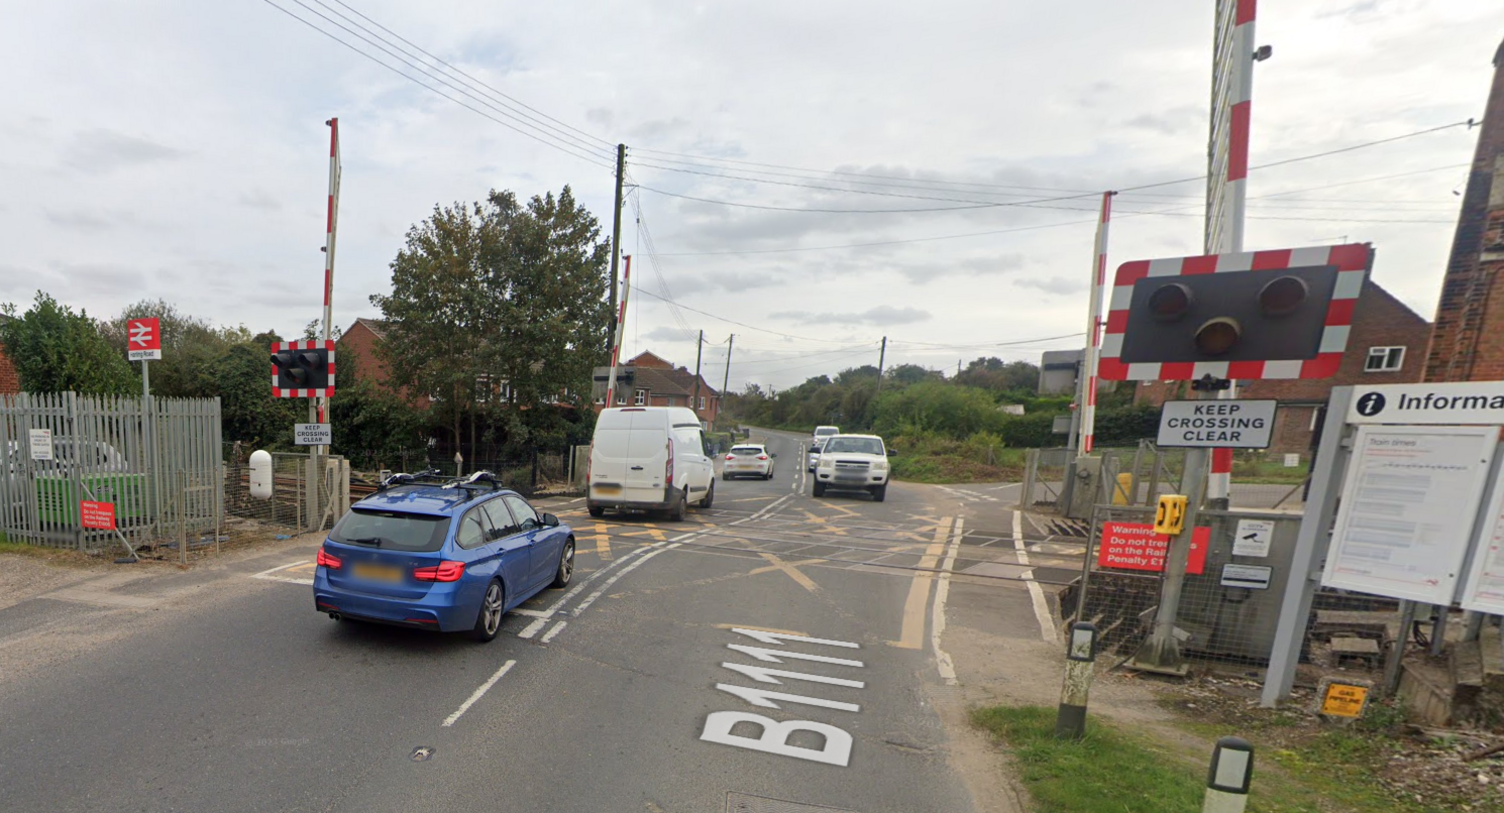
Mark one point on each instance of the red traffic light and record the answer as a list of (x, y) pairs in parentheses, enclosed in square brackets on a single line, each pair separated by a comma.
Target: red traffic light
[(1283, 296), (1171, 301), (1218, 336)]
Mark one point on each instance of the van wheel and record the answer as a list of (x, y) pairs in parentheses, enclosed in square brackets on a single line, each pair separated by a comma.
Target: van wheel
[(709, 496), (676, 514), (596, 511)]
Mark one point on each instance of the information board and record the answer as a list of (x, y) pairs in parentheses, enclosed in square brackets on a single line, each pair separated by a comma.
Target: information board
[(1407, 512), (1484, 589), (40, 441)]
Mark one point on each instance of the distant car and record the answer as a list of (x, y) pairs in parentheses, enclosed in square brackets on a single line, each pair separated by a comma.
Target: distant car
[(857, 462), (814, 453), (823, 432), (748, 460), (437, 554)]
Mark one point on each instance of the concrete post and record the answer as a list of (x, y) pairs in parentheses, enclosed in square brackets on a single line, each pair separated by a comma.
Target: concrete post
[(1230, 776), (1070, 720)]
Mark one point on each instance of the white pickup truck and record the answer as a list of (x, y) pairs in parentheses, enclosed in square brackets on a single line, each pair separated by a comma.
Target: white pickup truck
[(857, 462)]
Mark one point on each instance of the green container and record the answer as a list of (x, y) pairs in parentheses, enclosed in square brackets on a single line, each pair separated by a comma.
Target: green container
[(57, 504)]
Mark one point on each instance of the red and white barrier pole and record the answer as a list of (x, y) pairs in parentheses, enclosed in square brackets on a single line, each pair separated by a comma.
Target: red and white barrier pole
[(1240, 103), (621, 329), (1094, 329), (329, 233)]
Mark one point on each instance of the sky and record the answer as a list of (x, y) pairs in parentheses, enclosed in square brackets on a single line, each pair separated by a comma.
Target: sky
[(178, 150)]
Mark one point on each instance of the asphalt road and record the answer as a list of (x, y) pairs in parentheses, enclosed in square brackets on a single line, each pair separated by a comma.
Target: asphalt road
[(222, 690)]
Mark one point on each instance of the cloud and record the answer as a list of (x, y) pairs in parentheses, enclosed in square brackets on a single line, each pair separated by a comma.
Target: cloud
[(259, 199), (666, 334), (882, 315), (106, 151), (1052, 285), (81, 221)]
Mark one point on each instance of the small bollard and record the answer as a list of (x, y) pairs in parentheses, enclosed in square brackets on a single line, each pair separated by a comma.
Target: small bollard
[(1070, 721), (1230, 776)]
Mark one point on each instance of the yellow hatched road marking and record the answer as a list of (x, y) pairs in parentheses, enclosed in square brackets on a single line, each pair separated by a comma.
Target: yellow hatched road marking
[(790, 568), (912, 634)]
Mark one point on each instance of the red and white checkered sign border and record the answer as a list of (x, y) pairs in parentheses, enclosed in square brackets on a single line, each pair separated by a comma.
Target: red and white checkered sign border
[(1352, 260), (303, 392)]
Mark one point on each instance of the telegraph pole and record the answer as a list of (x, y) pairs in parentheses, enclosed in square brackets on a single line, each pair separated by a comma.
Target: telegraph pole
[(882, 357), (699, 346), (621, 171), (726, 381)]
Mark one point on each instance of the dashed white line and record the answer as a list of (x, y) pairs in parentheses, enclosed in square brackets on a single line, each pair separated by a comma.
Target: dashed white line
[(557, 628), (479, 693), (1036, 593), (532, 629), (590, 599), (943, 660)]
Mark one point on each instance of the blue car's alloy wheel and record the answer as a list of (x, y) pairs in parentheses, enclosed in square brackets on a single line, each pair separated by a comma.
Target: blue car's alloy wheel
[(489, 622)]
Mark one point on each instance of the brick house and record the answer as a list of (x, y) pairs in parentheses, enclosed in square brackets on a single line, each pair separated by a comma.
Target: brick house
[(10, 380), (1387, 345), (357, 348), (1468, 341), (649, 380)]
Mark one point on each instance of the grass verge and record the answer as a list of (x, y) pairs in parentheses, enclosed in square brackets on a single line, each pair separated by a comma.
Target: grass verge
[(1115, 770)]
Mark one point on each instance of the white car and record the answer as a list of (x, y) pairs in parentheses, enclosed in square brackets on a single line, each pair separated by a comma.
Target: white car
[(814, 454), (823, 432), (856, 462), (748, 460)]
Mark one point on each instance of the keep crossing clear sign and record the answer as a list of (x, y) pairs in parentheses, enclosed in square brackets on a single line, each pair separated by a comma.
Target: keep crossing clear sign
[(313, 434), (1224, 424)]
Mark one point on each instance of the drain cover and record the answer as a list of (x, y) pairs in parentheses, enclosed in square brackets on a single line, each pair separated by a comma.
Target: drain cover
[(747, 803), (421, 753)]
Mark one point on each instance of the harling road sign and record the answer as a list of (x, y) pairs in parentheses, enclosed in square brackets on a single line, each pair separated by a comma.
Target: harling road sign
[(1217, 424), (143, 339)]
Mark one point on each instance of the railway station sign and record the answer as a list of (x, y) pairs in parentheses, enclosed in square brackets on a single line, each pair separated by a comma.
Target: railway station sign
[(1232, 424), (1439, 404)]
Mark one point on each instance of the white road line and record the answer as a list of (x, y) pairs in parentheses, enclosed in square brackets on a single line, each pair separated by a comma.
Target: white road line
[(479, 693), (943, 661), (549, 636), (533, 613), (590, 599), (271, 575), (532, 629), (1036, 593), (279, 567)]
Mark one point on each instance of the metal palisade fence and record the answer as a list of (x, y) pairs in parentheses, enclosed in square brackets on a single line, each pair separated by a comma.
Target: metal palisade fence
[(155, 461)]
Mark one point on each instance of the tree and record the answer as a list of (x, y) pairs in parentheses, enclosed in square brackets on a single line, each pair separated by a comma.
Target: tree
[(545, 277), (905, 374), (57, 350), (437, 311)]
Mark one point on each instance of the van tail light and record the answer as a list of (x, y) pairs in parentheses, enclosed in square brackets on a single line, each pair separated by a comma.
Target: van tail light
[(329, 560), (442, 572), (668, 468)]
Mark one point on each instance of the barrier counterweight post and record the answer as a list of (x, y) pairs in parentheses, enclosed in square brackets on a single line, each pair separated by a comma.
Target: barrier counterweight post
[(1070, 721)]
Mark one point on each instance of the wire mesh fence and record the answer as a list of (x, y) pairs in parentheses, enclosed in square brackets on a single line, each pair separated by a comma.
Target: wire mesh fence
[(96, 472), (1230, 597)]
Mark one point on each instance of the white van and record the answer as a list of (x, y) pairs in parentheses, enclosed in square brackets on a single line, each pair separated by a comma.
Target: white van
[(649, 459)]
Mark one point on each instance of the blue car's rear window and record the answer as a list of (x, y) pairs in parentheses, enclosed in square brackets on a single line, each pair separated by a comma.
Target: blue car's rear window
[(391, 530)]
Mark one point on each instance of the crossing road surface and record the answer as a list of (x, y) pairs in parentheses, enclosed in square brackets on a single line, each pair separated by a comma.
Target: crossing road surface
[(774, 646)]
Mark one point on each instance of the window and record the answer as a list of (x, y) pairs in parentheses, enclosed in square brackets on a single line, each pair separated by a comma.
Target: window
[(527, 518), (702, 402), (854, 445), (501, 520), (1384, 359), (391, 530), (621, 399), (642, 397), (472, 533)]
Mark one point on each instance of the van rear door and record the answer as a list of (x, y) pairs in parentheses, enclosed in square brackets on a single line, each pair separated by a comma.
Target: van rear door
[(628, 456)]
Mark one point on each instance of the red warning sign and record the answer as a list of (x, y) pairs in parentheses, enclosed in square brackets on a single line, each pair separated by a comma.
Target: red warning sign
[(99, 516), (1135, 546)]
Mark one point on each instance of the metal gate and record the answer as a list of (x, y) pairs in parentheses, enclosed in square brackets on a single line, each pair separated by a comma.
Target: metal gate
[(155, 460)]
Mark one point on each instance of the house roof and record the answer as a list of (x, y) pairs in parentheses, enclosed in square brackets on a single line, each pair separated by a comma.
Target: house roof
[(376, 326), (1371, 287), (649, 359), (686, 379), (656, 381)]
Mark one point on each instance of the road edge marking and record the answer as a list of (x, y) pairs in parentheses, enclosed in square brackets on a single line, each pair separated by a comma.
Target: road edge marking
[(911, 635), (943, 661), (1036, 593)]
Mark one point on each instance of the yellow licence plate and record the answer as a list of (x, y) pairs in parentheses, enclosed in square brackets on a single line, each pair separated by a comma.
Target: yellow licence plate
[(607, 489), (377, 573)]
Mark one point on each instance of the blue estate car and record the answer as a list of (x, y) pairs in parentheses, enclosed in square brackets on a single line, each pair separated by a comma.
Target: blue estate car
[(446, 555)]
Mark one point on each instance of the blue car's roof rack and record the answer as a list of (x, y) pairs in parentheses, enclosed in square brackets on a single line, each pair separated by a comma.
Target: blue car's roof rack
[(432, 477)]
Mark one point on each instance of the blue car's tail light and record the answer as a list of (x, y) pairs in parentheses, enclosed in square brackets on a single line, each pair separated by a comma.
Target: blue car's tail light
[(329, 560), (442, 572)]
